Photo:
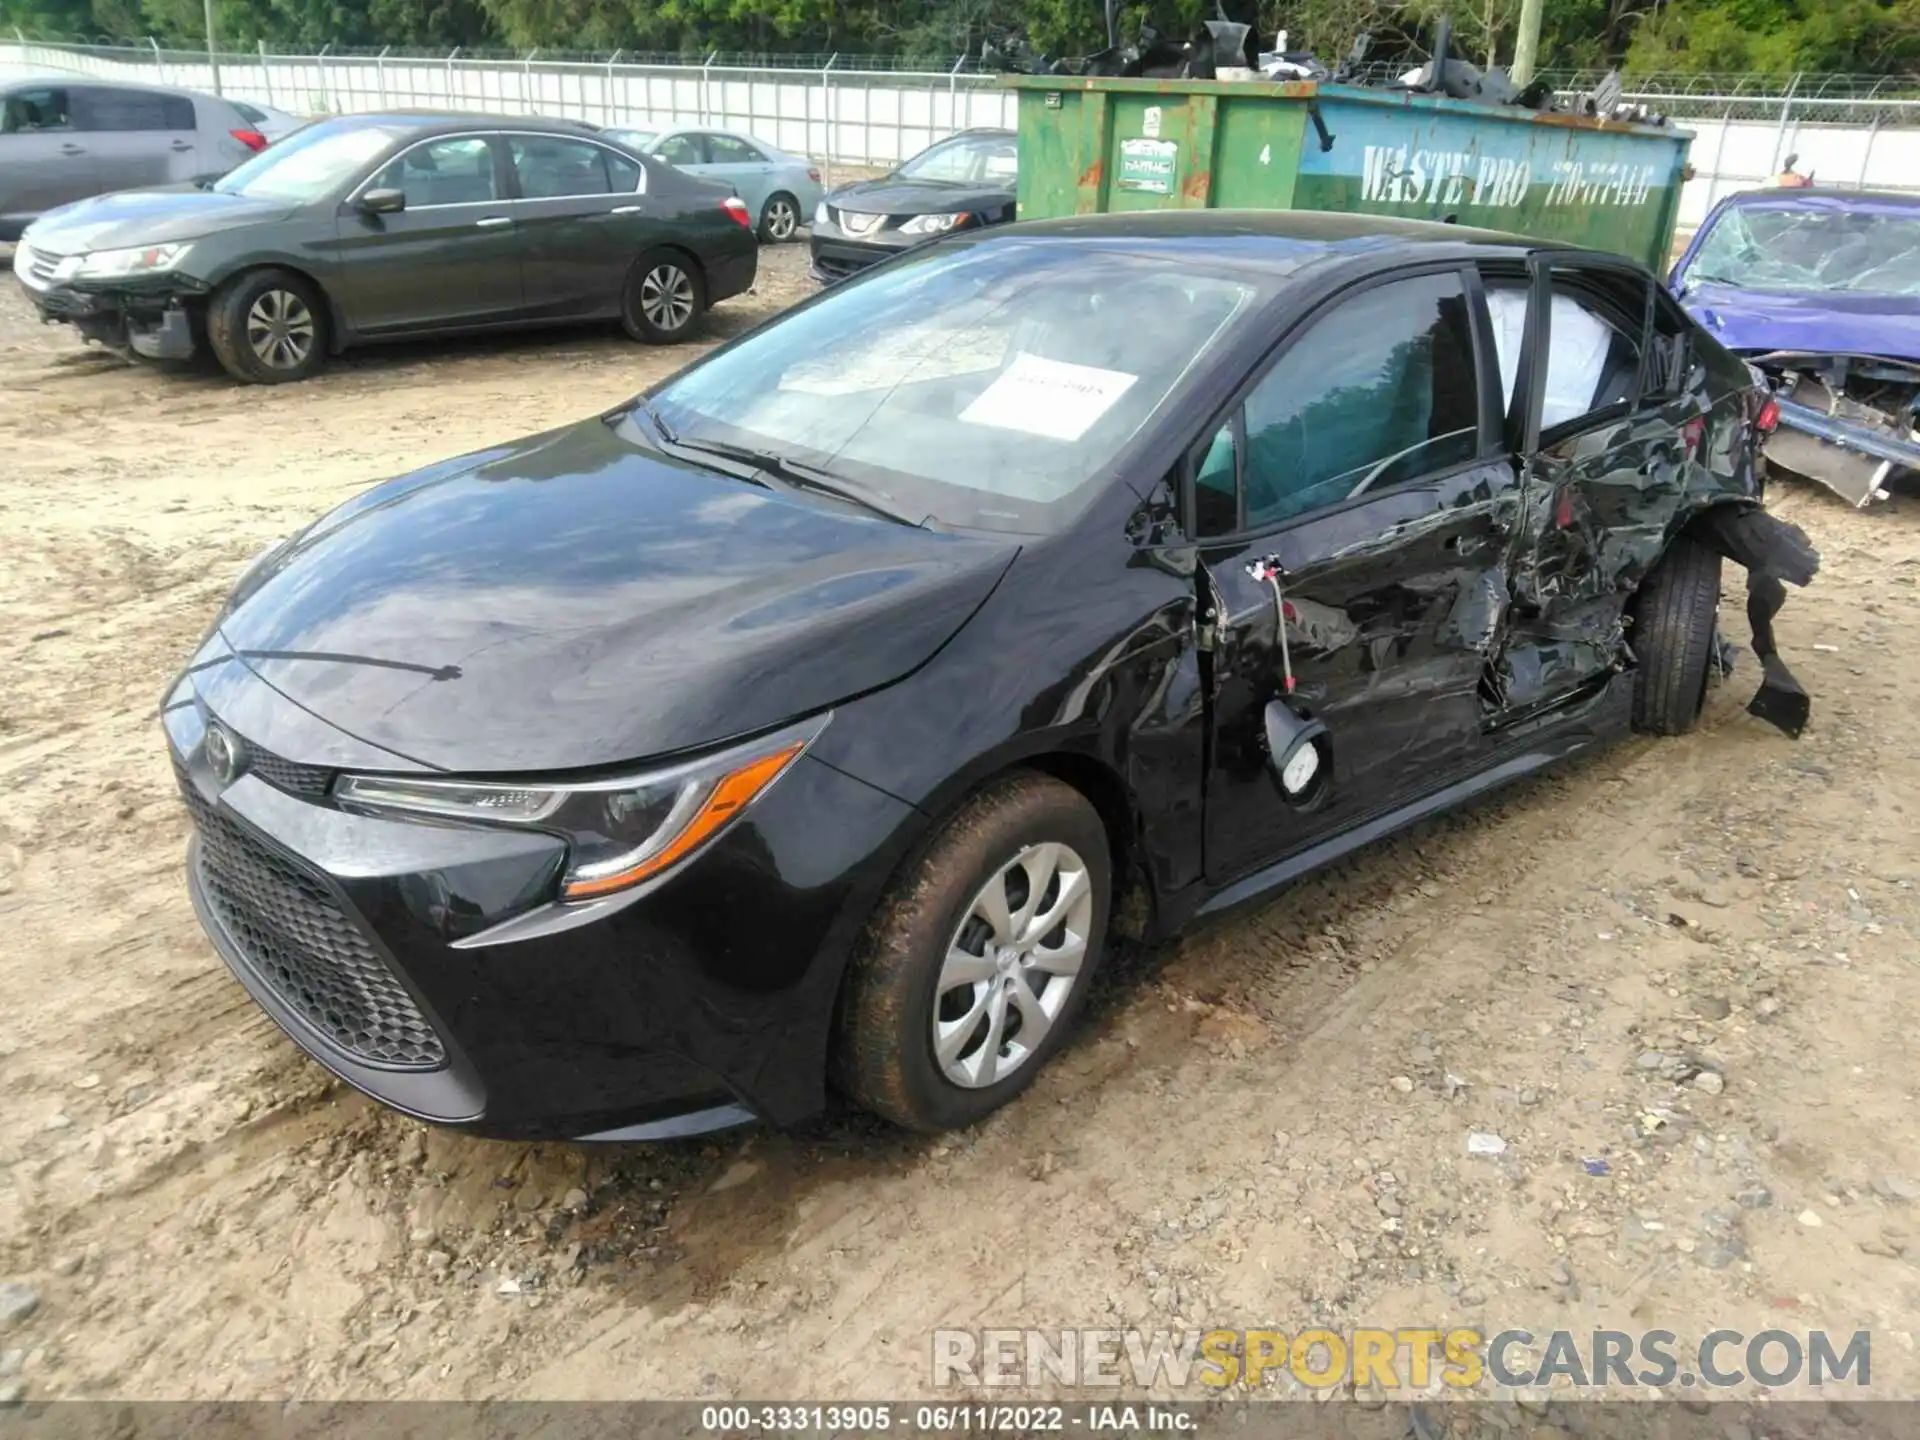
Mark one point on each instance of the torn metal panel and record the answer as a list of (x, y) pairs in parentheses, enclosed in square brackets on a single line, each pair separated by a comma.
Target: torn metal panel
[(1775, 554)]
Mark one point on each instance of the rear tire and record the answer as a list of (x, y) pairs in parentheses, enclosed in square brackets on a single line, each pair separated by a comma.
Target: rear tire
[(268, 327), (779, 218), (947, 1013), (666, 298), (1672, 638)]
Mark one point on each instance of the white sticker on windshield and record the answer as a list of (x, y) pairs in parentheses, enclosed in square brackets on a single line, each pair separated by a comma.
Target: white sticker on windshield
[(1050, 398)]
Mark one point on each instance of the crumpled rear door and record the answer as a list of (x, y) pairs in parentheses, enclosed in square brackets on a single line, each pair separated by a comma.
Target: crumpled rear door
[(1604, 471)]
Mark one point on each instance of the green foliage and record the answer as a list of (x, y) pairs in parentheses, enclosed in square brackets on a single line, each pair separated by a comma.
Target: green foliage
[(1780, 37), (1775, 36)]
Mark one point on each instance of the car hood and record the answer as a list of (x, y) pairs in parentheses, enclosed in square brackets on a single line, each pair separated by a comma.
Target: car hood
[(1756, 321), (573, 601), (892, 195), (147, 217)]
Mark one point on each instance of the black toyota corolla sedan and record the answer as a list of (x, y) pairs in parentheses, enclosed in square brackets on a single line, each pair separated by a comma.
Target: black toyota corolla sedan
[(389, 227), (814, 719)]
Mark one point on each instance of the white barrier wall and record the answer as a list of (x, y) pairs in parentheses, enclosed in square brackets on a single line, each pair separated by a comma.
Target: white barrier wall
[(855, 117)]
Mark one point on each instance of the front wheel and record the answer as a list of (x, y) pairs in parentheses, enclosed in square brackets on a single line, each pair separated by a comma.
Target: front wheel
[(1672, 637), (978, 961), (666, 296), (268, 327), (779, 219)]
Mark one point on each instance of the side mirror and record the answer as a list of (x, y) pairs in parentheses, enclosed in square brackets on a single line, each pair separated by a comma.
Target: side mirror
[(383, 202), (1299, 753)]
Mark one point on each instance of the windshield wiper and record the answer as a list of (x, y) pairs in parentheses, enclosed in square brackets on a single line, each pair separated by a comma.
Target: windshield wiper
[(658, 422), (795, 473)]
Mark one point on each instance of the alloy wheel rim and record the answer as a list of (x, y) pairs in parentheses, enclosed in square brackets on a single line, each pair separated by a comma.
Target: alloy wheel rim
[(666, 297), (280, 330), (781, 219), (1012, 965)]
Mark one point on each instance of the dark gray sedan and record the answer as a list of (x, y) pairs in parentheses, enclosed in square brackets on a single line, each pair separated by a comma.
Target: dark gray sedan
[(388, 226)]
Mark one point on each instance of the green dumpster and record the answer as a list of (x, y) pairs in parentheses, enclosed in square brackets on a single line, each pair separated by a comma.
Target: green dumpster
[(1089, 145)]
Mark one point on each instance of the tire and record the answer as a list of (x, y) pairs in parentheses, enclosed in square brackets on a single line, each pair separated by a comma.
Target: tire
[(645, 310), (779, 218), (1672, 638), (268, 327), (899, 987)]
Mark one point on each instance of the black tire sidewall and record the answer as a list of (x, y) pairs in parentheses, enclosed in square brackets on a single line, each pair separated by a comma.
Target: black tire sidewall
[(226, 327), (1048, 816), (1673, 634), (634, 318)]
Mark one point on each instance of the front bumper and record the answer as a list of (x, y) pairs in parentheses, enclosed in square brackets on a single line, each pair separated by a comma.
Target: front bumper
[(428, 965), (1854, 461), (155, 324), (834, 255)]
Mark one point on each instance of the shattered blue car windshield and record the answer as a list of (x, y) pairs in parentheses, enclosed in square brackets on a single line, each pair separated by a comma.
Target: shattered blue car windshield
[(1856, 252)]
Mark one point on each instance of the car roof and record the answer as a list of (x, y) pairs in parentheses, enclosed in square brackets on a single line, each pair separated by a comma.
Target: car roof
[(89, 82), (428, 122), (1249, 233)]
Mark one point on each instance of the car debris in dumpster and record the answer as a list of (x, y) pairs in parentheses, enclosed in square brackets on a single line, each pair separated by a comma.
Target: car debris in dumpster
[(1821, 291), (1223, 48)]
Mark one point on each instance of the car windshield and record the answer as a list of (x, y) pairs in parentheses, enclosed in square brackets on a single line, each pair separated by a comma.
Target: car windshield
[(1790, 247), (989, 386), (967, 159), (637, 138), (308, 164)]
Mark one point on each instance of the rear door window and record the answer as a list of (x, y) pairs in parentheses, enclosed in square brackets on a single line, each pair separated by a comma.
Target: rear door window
[(725, 150), (550, 168), (1596, 326), (28, 111), (126, 111)]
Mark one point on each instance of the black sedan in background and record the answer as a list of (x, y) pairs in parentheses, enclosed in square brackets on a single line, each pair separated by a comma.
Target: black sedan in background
[(815, 718), (961, 183), (382, 227)]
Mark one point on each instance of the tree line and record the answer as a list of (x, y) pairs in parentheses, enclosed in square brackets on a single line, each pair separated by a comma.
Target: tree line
[(1880, 37)]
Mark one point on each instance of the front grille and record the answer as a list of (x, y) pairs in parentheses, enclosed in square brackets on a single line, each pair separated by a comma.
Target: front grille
[(289, 775), (297, 940), (36, 266), (838, 268), (855, 223)]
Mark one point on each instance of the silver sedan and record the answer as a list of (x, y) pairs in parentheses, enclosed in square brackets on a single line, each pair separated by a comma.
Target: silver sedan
[(780, 190)]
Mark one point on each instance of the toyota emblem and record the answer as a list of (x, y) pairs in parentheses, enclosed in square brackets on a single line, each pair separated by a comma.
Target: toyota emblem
[(223, 754)]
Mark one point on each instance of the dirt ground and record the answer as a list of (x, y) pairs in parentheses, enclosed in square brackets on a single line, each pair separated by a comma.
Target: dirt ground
[(1265, 1126)]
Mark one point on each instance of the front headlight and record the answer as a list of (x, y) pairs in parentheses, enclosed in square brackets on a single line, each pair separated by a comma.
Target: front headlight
[(141, 260), (933, 224), (820, 216), (619, 832)]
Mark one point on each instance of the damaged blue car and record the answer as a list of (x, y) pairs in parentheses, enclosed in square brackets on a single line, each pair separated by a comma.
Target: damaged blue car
[(1820, 289)]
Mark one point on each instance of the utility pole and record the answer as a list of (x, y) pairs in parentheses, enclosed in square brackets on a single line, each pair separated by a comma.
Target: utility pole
[(1525, 49), (213, 49)]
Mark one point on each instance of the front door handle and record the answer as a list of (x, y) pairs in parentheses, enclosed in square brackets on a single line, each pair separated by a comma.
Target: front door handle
[(72, 149), (624, 210), (181, 145), (493, 222)]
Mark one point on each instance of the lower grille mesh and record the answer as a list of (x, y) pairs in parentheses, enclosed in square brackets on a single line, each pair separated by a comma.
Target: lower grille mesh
[(299, 942)]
